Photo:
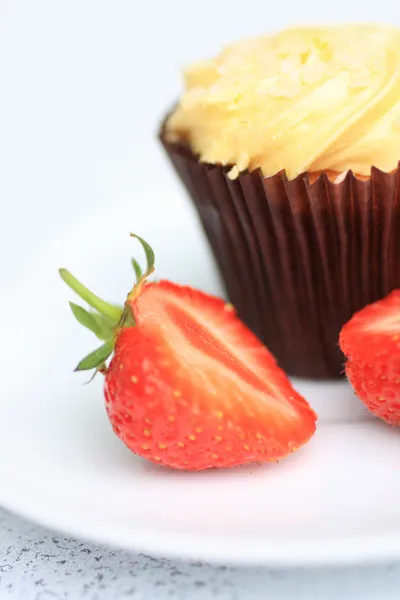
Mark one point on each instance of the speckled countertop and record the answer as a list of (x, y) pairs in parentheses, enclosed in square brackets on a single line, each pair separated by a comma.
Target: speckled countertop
[(36, 564)]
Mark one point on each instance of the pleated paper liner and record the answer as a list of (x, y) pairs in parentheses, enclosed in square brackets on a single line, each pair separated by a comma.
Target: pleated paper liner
[(298, 258)]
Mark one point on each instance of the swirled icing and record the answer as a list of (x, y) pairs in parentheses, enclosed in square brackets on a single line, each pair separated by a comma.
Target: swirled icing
[(306, 99)]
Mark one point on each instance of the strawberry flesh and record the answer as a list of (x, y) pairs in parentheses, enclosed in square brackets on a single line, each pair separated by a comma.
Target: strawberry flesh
[(192, 388), (371, 343)]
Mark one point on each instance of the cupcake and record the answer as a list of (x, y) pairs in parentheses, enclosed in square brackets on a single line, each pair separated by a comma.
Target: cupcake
[(289, 147)]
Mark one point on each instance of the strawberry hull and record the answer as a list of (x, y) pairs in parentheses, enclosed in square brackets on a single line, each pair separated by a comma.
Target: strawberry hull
[(298, 258)]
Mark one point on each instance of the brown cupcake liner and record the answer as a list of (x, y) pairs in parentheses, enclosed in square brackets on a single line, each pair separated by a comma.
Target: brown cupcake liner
[(298, 258)]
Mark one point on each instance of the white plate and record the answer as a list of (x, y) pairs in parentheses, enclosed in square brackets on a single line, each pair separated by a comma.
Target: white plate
[(335, 501)]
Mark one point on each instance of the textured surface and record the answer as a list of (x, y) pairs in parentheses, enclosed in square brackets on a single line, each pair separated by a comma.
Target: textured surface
[(36, 564)]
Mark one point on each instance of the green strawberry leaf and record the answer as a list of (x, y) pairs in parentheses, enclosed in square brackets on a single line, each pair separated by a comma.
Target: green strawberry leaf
[(149, 252), (101, 326), (97, 357), (104, 308), (102, 368), (106, 320), (137, 268), (85, 318), (106, 328)]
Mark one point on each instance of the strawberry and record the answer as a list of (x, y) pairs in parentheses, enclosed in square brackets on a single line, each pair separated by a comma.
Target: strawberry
[(189, 386), (371, 343)]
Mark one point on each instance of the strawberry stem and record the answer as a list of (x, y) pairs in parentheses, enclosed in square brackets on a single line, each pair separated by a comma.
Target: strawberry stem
[(108, 320), (104, 308)]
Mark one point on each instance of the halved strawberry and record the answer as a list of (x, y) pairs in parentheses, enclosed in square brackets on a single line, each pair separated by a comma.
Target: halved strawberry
[(190, 386), (371, 343)]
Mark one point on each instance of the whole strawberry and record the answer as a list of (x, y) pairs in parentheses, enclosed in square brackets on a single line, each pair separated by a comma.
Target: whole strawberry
[(189, 386), (371, 343)]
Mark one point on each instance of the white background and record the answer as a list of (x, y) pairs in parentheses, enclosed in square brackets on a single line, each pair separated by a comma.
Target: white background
[(83, 87), (85, 82)]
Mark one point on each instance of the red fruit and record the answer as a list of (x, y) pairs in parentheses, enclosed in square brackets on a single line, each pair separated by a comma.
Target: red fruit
[(371, 343), (190, 387)]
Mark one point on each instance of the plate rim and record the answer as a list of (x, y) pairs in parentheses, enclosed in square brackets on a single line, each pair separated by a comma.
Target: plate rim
[(235, 550), (369, 550)]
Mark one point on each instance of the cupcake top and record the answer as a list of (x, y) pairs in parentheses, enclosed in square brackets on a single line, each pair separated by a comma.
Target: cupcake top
[(306, 99)]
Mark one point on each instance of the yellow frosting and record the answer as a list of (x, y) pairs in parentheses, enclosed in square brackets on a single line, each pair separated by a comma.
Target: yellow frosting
[(307, 99)]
